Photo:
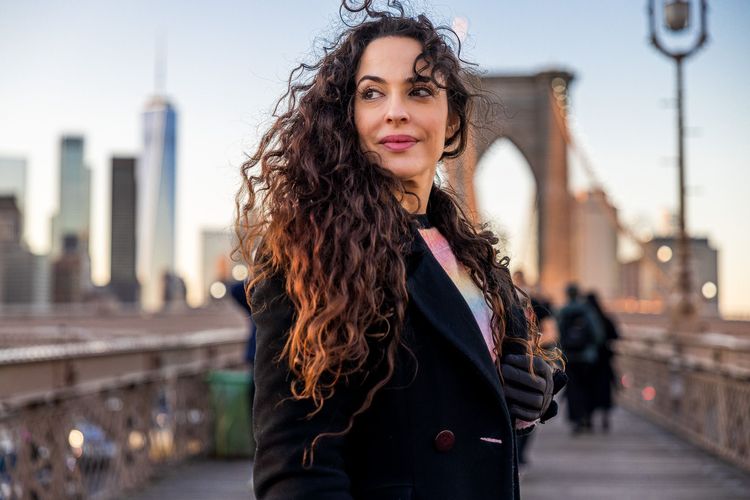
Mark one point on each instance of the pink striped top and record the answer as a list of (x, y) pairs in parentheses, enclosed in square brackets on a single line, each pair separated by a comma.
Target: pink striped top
[(471, 293), (469, 290)]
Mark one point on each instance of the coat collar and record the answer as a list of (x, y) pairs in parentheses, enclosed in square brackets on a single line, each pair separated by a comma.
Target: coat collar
[(435, 295)]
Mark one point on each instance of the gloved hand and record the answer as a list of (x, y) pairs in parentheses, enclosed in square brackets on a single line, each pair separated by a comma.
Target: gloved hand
[(560, 380), (529, 397)]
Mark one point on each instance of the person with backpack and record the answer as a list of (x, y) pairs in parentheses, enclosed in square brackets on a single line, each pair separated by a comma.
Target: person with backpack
[(581, 334)]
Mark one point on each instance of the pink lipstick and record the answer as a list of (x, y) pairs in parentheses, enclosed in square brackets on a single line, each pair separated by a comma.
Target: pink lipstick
[(398, 142)]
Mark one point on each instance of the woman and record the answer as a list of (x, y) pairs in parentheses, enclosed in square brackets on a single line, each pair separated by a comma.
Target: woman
[(381, 311)]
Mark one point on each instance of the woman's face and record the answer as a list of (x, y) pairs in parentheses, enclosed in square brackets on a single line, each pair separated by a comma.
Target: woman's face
[(400, 116)]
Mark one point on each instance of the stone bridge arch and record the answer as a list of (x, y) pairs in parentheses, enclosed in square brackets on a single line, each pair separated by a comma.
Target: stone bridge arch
[(534, 121)]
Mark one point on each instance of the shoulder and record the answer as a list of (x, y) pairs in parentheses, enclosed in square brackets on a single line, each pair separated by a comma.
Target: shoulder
[(270, 291), (267, 290)]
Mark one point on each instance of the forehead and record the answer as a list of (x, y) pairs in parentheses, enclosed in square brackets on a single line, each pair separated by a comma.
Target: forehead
[(390, 57)]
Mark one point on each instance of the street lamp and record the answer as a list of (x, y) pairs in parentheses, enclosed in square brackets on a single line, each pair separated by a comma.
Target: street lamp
[(676, 17)]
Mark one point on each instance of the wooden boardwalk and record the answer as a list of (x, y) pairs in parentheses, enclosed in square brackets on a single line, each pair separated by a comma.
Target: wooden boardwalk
[(202, 480), (635, 460)]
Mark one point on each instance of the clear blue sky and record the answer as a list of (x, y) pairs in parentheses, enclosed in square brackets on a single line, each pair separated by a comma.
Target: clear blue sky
[(88, 67)]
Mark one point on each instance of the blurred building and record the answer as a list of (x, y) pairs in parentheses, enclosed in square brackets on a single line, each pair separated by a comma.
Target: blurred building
[(123, 282), (24, 277), (155, 178), (660, 273), (216, 247), (73, 215), (175, 292), (10, 220), (629, 279), (13, 182), (71, 225), (595, 244), (67, 270), (652, 277)]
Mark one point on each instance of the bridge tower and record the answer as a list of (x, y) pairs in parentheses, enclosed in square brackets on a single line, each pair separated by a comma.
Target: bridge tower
[(531, 116)]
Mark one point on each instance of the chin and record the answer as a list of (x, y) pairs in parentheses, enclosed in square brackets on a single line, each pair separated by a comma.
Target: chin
[(406, 167), (405, 170)]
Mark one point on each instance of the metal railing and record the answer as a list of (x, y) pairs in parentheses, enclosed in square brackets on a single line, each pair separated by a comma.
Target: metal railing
[(697, 386), (94, 419)]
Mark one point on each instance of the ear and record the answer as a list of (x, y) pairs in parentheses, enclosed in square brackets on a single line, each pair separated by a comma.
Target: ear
[(452, 125)]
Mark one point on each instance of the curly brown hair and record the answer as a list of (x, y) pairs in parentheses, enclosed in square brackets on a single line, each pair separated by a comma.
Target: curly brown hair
[(329, 220)]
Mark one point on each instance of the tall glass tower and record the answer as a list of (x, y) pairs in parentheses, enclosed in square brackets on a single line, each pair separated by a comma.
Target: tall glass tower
[(75, 182), (155, 259)]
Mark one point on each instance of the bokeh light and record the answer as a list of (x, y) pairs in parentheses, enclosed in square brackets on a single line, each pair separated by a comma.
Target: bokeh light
[(648, 393), (664, 254), (709, 290), (75, 438), (218, 290), (136, 440), (239, 272)]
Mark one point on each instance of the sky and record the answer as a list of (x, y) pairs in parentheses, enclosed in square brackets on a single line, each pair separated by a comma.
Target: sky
[(88, 67)]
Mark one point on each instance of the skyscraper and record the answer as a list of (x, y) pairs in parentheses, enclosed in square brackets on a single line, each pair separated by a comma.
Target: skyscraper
[(156, 201), (71, 223), (123, 281), (72, 218)]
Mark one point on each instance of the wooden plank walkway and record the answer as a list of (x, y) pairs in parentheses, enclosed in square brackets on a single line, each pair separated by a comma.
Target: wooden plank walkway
[(635, 460), (202, 480)]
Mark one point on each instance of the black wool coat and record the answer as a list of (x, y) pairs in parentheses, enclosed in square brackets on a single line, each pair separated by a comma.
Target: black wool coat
[(439, 430)]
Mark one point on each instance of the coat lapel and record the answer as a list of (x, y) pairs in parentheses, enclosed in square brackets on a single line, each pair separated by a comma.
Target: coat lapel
[(437, 298)]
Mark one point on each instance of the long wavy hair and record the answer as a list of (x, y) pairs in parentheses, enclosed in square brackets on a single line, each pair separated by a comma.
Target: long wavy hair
[(329, 217)]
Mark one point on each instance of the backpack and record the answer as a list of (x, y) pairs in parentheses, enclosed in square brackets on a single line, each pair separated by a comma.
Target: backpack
[(576, 333)]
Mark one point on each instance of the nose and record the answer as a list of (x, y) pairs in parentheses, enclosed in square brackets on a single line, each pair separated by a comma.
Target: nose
[(396, 112)]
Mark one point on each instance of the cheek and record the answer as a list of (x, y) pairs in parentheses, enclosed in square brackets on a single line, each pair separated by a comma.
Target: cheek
[(438, 128), (360, 123), (439, 122)]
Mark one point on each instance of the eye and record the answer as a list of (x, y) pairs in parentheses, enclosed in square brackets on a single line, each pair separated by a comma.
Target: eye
[(422, 91), (370, 93)]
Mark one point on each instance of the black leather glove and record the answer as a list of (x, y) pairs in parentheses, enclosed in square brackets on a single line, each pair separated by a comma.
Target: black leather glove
[(528, 396), (559, 379)]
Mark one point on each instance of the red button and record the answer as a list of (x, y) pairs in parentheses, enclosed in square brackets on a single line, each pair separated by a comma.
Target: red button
[(444, 441)]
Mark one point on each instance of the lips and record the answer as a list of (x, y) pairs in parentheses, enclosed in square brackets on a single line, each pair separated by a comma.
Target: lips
[(398, 142)]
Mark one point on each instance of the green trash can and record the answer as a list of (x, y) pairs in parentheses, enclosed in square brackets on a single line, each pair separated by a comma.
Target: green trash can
[(232, 417)]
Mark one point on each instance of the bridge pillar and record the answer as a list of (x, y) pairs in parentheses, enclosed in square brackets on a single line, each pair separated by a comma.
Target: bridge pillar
[(529, 111)]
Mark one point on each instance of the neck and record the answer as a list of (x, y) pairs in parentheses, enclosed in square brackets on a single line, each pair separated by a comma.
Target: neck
[(417, 194)]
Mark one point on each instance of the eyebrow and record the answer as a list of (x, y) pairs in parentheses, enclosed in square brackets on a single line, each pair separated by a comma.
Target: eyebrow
[(378, 79)]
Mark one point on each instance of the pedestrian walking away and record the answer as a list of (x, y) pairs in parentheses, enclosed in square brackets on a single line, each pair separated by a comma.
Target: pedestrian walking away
[(394, 356), (581, 335), (605, 378)]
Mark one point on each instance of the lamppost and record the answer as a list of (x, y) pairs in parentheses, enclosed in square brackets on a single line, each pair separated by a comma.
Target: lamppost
[(677, 19)]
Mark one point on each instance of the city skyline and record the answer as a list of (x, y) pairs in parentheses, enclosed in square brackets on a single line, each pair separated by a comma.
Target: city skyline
[(240, 75)]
